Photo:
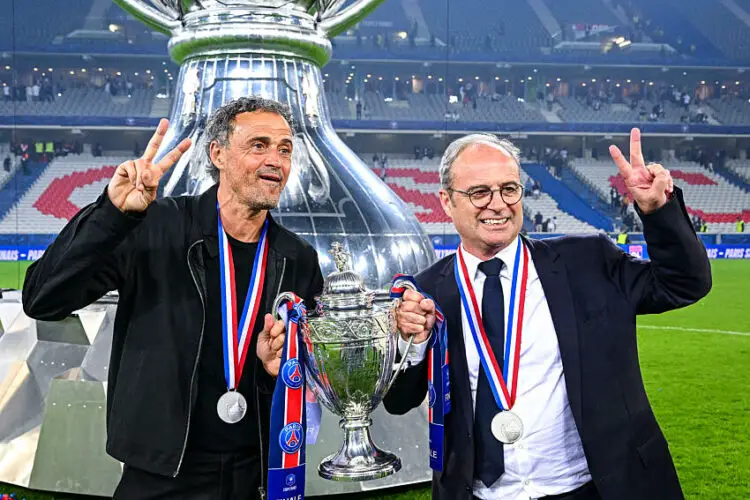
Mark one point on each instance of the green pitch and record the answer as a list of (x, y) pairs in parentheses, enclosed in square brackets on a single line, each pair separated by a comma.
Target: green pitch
[(695, 365)]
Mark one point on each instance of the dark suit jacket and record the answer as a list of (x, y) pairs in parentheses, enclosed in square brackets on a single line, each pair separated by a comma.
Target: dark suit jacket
[(594, 292)]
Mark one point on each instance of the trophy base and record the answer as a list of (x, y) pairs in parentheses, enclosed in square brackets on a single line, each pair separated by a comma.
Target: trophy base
[(358, 459)]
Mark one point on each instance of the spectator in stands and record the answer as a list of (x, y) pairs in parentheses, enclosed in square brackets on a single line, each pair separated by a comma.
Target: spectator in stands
[(536, 190), (529, 186), (552, 225), (166, 256), (624, 205), (359, 110), (696, 223), (567, 393), (538, 220), (384, 163), (740, 225), (686, 101)]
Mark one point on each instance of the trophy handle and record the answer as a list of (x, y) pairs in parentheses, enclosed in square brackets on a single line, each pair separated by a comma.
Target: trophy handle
[(340, 21), (397, 367), (276, 303), (152, 17)]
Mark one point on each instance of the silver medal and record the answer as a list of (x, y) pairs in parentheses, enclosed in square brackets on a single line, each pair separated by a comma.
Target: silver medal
[(507, 427), (231, 407)]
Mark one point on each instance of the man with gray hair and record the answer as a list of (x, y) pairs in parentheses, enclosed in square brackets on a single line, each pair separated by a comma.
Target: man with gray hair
[(187, 412), (546, 396)]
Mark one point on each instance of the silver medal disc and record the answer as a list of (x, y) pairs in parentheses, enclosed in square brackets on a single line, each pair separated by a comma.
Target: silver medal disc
[(231, 407), (507, 427)]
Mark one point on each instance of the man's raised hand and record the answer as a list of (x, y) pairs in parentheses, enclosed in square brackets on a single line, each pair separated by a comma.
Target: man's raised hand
[(133, 187), (650, 185)]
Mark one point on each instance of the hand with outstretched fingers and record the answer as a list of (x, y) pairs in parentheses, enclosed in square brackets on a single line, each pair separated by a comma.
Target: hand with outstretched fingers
[(650, 185), (133, 187)]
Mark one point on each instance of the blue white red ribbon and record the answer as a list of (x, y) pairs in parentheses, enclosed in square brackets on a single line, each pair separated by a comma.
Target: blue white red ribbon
[(503, 383), (236, 339), (286, 460), (438, 378)]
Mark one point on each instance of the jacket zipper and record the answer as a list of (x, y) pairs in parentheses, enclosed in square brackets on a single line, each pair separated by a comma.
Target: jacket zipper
[(197, 360), (262, 489)]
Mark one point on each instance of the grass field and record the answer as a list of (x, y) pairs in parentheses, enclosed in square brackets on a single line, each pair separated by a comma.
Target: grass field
[(696, 365)]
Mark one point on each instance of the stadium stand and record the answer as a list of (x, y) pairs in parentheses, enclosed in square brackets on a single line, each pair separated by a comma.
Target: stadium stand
[(666, 23), (6, 175), (718, 24), (48, 197), (43, 197), (549, 208), (707, 194), (732, 111), (54, 21), (582, 12), (576, 110), (567, 200), (741, 168), (84, 102), (67, 184), (600, 103), (504, 26), (433, 107)]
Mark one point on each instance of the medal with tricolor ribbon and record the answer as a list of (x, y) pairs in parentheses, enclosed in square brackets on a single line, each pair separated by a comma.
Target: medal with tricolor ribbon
[(286, 457), (237, 333), (438, 378), (506, 426)]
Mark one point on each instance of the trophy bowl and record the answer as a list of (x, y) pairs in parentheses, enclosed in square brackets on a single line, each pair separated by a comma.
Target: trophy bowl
[(350, 348)]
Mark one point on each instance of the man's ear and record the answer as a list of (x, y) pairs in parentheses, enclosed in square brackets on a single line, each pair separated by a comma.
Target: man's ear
[(446, 202), (217, 154)]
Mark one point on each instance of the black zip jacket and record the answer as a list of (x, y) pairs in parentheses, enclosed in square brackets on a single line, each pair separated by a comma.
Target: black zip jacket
[(155, 260)]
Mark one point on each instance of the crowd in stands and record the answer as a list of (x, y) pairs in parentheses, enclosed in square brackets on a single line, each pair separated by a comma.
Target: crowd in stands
[(40, 151), (423, 97)]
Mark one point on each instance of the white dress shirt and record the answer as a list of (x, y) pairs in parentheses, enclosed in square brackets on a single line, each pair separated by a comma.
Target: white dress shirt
[(548, 459)]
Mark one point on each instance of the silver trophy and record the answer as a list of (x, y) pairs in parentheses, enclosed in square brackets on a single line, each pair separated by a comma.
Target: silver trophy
[(351, 343)]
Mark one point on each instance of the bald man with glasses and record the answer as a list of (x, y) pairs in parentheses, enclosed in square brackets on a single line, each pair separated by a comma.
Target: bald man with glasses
[(547, 400)]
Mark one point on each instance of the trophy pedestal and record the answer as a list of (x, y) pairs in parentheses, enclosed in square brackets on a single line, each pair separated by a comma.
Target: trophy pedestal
[(358, 459)]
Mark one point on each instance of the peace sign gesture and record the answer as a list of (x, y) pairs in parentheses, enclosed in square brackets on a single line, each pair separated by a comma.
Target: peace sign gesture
[(133, 187), (650, 185)]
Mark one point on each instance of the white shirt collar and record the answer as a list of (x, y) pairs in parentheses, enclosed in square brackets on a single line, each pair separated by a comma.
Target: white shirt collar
[(507, 255)]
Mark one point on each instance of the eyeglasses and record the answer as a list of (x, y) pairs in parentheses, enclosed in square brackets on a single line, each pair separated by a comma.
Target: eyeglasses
[(510, 192)]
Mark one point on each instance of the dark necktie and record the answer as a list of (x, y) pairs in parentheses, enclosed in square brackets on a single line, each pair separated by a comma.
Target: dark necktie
[(488, 451)]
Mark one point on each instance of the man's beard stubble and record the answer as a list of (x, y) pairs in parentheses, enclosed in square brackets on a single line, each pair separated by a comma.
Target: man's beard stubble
[(257, 205)]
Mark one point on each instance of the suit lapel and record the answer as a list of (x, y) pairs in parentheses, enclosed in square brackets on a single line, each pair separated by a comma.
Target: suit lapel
[(450, 302), (554, 278)]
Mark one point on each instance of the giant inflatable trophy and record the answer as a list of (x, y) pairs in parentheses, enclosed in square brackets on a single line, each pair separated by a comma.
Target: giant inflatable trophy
[(352, 345), (275, 49)]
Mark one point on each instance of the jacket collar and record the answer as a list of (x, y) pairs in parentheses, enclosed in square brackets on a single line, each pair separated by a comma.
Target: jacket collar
[(280, 239)]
